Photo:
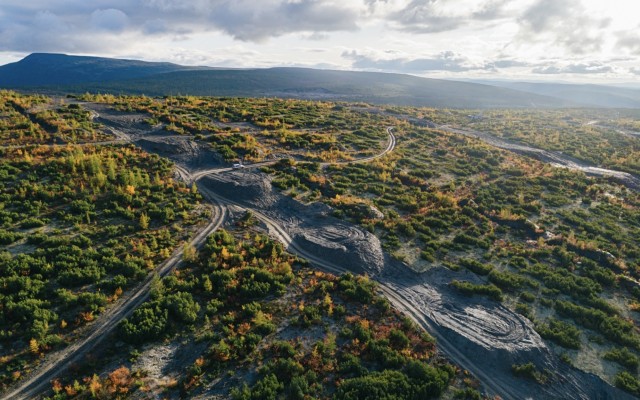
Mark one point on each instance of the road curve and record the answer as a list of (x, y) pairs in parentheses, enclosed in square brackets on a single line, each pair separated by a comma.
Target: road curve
[(58, 362), (391, 145), (446, 347)]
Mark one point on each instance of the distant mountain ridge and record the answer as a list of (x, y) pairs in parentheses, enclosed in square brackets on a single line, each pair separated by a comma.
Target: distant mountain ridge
[(45, 69), (64, 73), (315, 84)]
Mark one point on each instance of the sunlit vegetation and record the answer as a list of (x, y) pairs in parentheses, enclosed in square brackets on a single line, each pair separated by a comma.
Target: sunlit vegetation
[(261, 129), (606, 138), (554, 245), (36, 119), (68, 123), (16, 128), (271, 328), (72, 241), (554, 239)]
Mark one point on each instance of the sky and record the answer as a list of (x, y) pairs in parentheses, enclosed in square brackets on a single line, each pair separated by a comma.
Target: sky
[(560, 40)]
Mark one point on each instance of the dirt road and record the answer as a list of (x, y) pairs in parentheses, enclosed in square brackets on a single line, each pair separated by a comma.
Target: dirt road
[(391, 144), (56, 363), (557, 159), (401, 304), (554, 158), (483, 338)]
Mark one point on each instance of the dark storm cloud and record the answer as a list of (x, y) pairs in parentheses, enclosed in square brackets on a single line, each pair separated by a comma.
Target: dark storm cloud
[(579, 68), (429, 16), (254, 21), (44, 31), (445, 61), (567, 22), (80, 25)]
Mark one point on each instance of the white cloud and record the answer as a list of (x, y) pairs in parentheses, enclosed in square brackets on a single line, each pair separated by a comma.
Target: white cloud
[(579, 68), (564, 23), (445, 61), (629, 41)]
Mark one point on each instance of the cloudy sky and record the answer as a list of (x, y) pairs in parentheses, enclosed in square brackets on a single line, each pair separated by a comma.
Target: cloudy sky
[(570, 40)]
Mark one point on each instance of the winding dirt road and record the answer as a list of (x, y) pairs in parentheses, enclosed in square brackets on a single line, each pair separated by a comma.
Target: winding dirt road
[(58, 362), (391, 145), (437, 317)]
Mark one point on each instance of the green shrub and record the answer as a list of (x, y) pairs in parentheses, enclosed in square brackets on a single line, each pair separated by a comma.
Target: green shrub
[(145, 324), (625, 381), (467, 288), (476, 266), (614, 328), (529, 371), (563, 333), (623, 357), (528, 297)]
